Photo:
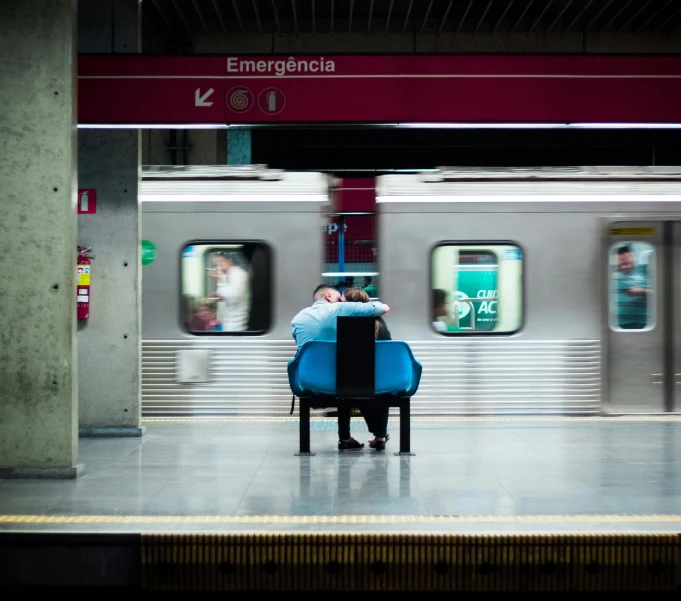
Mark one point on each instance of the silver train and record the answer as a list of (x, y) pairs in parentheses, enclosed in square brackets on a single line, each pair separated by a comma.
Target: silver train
[(521, 291)]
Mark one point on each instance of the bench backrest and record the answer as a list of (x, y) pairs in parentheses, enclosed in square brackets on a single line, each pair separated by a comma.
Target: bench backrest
[(355, 357), (313, 370)]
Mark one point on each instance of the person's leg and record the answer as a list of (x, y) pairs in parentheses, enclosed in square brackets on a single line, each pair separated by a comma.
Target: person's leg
[(381, 422), (343, 424), (369, 415), (345, 441), (380, 427)]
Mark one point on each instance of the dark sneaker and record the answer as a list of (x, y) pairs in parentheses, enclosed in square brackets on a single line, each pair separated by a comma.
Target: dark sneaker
[(350, 445), (379, 445)]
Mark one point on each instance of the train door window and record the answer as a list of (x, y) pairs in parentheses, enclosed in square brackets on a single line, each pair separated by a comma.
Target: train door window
[(226, 288), (632, 289), (477, 289)]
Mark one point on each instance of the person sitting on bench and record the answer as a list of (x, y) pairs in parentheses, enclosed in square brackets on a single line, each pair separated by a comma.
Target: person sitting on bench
[(318, 322)]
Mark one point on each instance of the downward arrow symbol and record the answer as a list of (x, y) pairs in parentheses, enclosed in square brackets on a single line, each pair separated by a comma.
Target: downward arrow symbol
[(200, 100)]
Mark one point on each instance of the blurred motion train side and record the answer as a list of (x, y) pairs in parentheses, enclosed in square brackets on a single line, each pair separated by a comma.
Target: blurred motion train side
[(270, 223), (544, 291)]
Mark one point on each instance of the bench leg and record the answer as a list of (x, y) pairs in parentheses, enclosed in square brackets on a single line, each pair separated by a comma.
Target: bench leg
[(304, 428), (405, 434)]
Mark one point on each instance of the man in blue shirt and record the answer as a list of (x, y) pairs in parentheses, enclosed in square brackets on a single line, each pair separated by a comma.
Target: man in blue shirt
[(632, 291), (318, 322)]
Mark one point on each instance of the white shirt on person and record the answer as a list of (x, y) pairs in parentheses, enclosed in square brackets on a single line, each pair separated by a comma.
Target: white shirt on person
[(234, 300)]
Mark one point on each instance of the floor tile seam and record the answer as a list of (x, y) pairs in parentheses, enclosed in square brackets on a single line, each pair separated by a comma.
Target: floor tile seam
[(250, 483), (494, 475), (418, 484)]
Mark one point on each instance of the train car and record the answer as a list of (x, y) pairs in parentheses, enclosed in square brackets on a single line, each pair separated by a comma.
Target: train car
[(536, 291), (238, 252)]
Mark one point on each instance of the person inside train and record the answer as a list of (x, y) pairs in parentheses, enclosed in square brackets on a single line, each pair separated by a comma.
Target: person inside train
[(232, 292), (205, 319), (441, 317), (632, 291), (369, 287), (318, 322), (375, 417)]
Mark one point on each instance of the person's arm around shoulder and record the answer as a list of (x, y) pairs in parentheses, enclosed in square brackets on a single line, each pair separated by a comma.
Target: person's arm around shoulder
[(379, 308), (372, 309)]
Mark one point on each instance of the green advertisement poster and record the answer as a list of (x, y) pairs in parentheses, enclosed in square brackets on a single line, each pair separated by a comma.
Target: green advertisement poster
[(480, 284)]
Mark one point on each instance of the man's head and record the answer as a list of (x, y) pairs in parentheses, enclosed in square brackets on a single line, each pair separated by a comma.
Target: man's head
[(222, 261), (326, 293), (439, 303), (625, 259), (367, 280)]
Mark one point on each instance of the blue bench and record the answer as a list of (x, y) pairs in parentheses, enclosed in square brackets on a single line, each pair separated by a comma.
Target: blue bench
[(354, 371)]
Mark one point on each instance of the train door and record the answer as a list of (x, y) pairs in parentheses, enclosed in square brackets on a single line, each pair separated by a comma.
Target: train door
[(644, 316)]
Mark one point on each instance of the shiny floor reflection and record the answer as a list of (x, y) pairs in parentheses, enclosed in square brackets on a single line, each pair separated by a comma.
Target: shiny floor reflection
[(461, 468)]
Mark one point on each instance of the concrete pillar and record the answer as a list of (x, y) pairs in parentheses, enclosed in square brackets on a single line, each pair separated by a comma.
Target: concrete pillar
[(38, 386), (238, 146), (109, 342)]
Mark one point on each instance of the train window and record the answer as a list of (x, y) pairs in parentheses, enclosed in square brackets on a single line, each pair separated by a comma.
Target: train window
[(477, 289), (632, 269), (226, 288)]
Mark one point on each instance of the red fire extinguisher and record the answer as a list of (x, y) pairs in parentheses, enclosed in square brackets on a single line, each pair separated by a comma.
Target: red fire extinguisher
[(83, 266)]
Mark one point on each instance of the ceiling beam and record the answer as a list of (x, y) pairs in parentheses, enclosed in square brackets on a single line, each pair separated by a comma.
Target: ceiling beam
[(581, 13), (598, 14), (387, 20), (673, 29), (406, 19), (148, 22), (352, 8), (522, 16), (163, 15), (617, 14), (665, 22), (179, 14), (295, 17), (199, 12), (425, 19), (238, 16), (651, 18), (216, 8), (275, 14), (631, 19), (501, 18), (463, 18), (257, 16), (560, 14), (444, 17), (484, 14), (371, 14), (541, 14)]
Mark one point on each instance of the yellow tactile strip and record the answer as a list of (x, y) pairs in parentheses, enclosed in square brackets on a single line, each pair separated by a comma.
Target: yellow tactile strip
[(417, 418), (416, 562), (338, 519)]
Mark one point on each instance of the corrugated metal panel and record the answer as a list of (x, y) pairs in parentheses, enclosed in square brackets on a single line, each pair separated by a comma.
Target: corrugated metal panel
[(496, 376), (508, 376)]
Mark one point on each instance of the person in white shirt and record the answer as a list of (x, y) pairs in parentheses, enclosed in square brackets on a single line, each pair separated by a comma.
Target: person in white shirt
[(233, 293)]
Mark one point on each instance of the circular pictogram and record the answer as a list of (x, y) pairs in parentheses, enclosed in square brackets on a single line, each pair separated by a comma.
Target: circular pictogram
[(239, 99), (464, 308), (271, 101)]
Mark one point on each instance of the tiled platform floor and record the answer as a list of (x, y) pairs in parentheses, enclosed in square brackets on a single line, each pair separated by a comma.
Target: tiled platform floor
[(512, 469)]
